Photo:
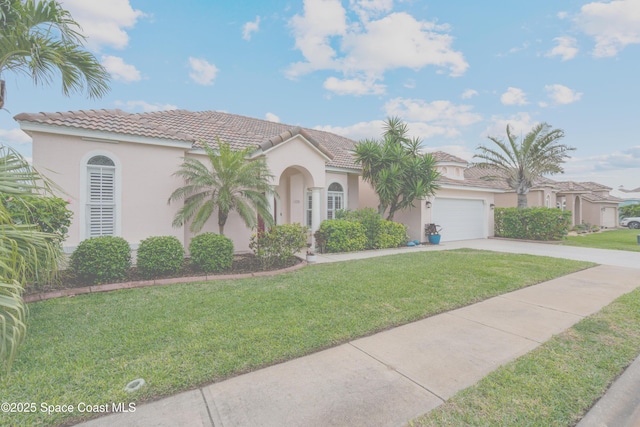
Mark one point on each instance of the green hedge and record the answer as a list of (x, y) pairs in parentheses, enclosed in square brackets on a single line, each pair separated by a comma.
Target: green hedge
[(278, 246), (380, 233), (339, 235), (160, 255), (532, 223), (101, 259), (211, 252), (628, 211)]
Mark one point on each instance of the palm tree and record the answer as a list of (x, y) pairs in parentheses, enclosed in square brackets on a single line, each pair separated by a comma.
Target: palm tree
[(232, 183), (24, 252), (396, 168), (520, 164), (40, 39)]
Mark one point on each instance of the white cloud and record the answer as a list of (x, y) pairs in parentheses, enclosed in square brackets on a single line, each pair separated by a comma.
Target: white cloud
[(615, 169), (272, 117), (202, 72), (353, 86), (358, 131), (565, 48), (249, 28), (561, 94), (400, 41), (562, 15), (104, 23), (13, 137), (469, 93), (368, 8), (442, 113), (613, 25), (520, 123), (514, 96), (424, 119), (321, 20), (370, 47), (145, 106), (119, 70)]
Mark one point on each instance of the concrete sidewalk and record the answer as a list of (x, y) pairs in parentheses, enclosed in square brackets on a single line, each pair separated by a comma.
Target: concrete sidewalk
[(391, 377)]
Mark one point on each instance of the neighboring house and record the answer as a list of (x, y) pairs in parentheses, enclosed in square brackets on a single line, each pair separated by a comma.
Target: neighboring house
[(117, 168), (590, 202)]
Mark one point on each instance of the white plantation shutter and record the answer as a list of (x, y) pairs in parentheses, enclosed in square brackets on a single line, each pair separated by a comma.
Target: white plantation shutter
[(101, 200)]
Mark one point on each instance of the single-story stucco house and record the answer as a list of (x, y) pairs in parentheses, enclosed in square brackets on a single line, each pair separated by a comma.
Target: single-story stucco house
[(117, 170)]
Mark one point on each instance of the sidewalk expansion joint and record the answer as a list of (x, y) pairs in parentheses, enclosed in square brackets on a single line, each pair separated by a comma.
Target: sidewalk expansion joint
[(495, 328), (207, 406), (398, 372), (541, 306)]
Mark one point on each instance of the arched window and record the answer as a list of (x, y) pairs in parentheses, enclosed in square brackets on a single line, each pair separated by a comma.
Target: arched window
[(101, 197), (335, 200)]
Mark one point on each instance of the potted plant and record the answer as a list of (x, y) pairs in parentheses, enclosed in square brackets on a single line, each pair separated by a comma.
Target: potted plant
[(311, 257), (432, 231)]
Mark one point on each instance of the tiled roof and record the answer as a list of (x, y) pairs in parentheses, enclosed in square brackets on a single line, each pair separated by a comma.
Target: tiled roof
[(472, 182), (198, 128), (597, 198), (443, 157)]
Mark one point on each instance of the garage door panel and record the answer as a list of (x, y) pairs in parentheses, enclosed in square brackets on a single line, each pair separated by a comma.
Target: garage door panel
[(460, 219)]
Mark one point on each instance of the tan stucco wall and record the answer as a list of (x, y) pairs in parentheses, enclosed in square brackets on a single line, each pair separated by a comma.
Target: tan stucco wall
[(535, 198), (592, 213), (297, 152), (145, 182)]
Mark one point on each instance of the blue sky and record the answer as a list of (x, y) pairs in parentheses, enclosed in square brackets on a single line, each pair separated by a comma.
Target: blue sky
[(454, 71)]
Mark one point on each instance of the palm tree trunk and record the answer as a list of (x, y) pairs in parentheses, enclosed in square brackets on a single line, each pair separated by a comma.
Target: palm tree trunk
[(222, 220), (2, 92), (522, 201)]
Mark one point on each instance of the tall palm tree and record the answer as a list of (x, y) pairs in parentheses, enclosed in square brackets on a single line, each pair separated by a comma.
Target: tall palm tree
[(40, 39), (396, 168), (24, 252), (228, 182), (520, 164)]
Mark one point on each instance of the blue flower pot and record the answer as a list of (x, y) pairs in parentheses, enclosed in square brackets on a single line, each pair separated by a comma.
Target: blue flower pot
[(434, 239)]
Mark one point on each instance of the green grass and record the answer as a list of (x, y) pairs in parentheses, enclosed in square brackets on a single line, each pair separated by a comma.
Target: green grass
[(87, 348), (555, 384), (624, 240)]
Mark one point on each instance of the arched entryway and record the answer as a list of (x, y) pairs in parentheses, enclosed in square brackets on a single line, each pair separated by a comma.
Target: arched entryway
[(577, 211)]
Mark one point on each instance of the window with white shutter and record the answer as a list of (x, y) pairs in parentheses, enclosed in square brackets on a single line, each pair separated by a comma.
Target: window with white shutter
[(101, 197)]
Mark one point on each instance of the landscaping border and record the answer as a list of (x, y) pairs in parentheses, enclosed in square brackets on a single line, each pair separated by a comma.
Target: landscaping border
[(71, 292)]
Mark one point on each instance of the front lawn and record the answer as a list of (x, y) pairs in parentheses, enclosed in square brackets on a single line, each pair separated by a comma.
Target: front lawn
[(87, 348), (624, 240), (555, 384)]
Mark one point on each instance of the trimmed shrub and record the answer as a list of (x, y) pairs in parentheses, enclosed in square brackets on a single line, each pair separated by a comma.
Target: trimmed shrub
[(391, 235), (160, 255), (338, 235), (278, 246), (369, 218), (532, 223), (101, 259), (211, 252), (380, 232)]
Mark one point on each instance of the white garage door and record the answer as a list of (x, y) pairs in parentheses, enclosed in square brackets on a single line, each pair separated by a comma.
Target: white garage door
[(460, 219), (609, 217)]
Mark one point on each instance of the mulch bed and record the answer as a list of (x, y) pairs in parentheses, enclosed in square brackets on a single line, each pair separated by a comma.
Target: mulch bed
[(242, 263)]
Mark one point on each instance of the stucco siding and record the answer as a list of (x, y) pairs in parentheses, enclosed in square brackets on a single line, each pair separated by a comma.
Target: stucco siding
[(143, 185)]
